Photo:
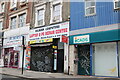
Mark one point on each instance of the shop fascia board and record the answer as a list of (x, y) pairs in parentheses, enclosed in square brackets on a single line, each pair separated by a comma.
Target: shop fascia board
[(16, 32)]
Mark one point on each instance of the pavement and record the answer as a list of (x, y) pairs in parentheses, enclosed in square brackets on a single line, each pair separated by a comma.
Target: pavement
[(6, 77), (35, 75)]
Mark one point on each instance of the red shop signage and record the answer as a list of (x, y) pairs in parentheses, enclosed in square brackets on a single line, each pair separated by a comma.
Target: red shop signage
[(64, 39)]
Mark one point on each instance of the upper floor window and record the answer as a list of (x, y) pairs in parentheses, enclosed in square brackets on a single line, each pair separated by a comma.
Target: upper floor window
[(2, 7), (90, 8), (1, 25), (13, 3), (13, 23), (116, 4), (56, 12), (22, 20), (40, 17)]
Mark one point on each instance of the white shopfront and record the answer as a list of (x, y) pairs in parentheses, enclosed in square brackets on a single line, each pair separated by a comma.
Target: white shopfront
[(105, 61), (13, 48)]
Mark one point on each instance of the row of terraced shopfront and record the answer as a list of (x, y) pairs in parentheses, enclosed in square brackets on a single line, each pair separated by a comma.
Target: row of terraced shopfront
[(44, 51), (90, 44), (33, 37)]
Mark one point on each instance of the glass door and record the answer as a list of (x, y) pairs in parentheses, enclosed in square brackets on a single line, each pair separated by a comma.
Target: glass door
[(16, 59)]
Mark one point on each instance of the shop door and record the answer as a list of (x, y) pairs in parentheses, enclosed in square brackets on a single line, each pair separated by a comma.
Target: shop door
[(14, 56), (16, 60), (6, 59), (60, 62), (41, 59), (84, 60), (11, 59)]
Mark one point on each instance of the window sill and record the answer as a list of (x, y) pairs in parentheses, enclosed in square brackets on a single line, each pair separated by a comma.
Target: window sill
[(13, 8), (12, 28), (55, 22), (90, 15), (23, 4), (22, 26), (17, 28), (116, 8), (1, 13), (39, 26)]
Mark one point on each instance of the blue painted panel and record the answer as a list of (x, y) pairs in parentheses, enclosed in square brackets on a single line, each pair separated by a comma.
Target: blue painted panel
[(105, 15)]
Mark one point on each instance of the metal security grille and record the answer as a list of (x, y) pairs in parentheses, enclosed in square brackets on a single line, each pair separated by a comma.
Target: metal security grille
[(84, 60), (42, 59)]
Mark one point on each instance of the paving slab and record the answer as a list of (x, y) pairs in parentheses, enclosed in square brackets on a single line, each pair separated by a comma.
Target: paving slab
[(35, 75)]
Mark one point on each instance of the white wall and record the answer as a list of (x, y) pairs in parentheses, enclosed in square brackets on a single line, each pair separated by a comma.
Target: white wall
[(119, 54), (16, 32), (20, 57), (2, 58), (65, 57), (72, 54), (105, 56)]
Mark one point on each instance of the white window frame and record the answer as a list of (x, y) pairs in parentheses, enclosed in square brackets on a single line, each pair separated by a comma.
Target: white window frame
[(43, 7), (11, 4), (24, 23), (2, 25), (11, 22), (90, 7), (17, 22), (2, 10), (60, 2), (114, 4)]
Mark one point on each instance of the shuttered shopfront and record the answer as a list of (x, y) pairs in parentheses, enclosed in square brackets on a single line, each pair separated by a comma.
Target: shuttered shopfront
[(104, 53)]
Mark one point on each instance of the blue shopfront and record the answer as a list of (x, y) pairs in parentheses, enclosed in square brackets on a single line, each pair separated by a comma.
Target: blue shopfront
[(98, 53)]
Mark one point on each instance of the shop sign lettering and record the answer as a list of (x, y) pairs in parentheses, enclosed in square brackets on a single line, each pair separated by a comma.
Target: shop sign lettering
[(15, 40), (41, 41), (81, 39), (52, 31)]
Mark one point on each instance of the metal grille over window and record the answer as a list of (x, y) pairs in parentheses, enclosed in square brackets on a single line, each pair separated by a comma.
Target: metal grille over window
[(22, 20), (89, 7), (56, 13), (13, 22), (40, 17)]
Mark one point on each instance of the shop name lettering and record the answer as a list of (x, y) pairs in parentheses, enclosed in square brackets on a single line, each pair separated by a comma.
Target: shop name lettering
[(13, 43), (81, 39), (49, 32), (15, 38), (49, 28)]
